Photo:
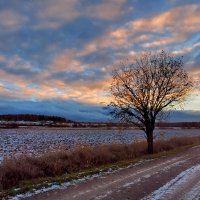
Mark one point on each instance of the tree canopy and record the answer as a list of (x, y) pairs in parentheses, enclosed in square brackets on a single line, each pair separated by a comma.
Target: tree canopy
[(145, 86)]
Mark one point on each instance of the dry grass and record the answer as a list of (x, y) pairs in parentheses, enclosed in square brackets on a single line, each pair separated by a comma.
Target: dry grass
[(14, 170)]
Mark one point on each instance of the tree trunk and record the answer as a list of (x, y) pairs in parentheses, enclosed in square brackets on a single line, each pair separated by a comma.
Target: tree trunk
[(150, 142)]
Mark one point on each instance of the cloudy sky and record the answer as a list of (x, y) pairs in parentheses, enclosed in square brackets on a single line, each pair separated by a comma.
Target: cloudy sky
[(56, 55)]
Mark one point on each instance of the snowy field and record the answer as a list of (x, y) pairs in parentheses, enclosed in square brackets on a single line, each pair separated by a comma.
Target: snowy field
[(37, 140)]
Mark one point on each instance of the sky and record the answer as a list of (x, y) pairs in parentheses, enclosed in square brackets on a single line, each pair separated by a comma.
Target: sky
[(56, 55)]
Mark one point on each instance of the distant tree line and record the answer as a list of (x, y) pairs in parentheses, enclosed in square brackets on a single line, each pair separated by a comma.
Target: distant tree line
[(179, 124), (32, 118)]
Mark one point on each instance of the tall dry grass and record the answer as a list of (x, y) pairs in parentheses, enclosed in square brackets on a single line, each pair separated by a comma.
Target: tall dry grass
[(16, 169)]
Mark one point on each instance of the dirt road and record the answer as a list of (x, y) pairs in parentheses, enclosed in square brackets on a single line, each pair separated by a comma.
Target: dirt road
[(172, 177)]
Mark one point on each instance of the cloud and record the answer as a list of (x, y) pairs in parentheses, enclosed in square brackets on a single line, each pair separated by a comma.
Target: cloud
[(64, 50), (2, 59), (187, 49), (106, 10), (187, 17), (184, 116), (61, 80), (17, 65), (10, 20), (69, 109), (54, 14), (160, 42), (156, 31), (111, 39), (77, 111), (90, 91), (191, 54), (179, 22), (169, 27), (66, 61)]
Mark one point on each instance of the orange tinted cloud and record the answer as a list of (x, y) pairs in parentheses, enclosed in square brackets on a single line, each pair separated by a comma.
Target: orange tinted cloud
[(178, 21), (187, 49), (183, 17), (66, 61)]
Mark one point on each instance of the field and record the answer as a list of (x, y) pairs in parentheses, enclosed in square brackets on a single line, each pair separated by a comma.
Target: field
[(37, 140)]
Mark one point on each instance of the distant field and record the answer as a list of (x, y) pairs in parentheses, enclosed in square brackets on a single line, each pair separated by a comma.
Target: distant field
[(37, 140)]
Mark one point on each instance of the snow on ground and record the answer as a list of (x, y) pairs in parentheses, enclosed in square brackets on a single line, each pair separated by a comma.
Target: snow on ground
[(125, 181), (177, 183), (53, 186), (104, 195), (37, 140), (194, 193)]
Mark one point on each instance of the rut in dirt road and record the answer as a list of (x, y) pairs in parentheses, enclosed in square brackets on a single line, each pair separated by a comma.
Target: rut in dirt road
[(172, 177)]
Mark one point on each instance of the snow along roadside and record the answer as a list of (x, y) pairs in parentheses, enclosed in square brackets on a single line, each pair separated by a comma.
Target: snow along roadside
[(177, 183), (55, 185)]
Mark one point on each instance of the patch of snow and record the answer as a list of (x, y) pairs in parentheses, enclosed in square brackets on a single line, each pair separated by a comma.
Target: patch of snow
[(103, 195), (39, 140), (147, 176), (29, 194), (131, 183), (170, 187), (194, 193), (53, 186), (195, 147), (64, 185)]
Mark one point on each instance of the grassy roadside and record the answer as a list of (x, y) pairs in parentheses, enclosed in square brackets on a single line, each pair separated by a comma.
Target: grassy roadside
[(162, 148)]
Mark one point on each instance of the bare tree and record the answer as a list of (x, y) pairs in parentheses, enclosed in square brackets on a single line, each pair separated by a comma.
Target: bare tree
[(143, 88)]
